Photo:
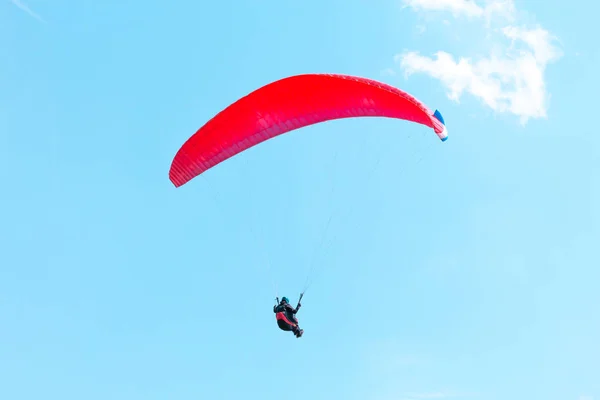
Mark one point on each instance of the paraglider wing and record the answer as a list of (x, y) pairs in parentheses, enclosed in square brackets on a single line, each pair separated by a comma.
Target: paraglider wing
[(289, 104)]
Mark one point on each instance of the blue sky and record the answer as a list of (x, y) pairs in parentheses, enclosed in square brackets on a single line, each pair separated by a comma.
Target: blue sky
[(458, 270)]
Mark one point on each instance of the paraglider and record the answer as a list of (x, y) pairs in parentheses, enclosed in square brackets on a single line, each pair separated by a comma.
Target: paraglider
[(285, 315), (286, 105), (289, 104)]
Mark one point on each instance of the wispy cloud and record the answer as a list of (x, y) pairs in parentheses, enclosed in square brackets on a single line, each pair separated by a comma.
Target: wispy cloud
[(511, 79), (26, 8)]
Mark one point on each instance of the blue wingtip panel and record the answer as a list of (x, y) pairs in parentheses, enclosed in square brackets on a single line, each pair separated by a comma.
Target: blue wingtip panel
[(438, 115)]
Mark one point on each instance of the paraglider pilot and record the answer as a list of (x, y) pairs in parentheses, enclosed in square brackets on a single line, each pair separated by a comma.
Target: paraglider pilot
[(286, 316)]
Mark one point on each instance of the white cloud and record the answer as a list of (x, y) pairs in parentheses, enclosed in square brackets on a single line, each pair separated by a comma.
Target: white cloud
[(26, 8), (510, 80)]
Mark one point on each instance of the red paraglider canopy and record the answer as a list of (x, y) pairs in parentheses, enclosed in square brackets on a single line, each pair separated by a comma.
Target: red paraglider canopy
[(289, 104)]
